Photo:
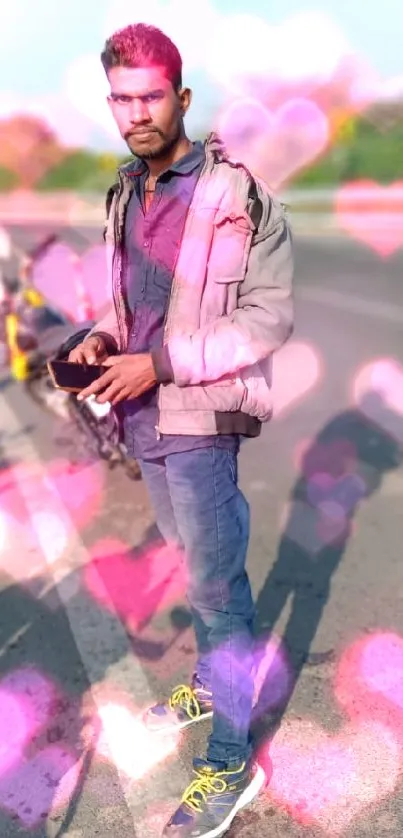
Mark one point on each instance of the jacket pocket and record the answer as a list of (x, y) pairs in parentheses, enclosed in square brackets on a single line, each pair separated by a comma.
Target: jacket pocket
[(230, 248)]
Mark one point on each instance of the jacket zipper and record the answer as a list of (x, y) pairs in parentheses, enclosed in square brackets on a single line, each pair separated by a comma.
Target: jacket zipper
[(117, 280), (168, 317), (174, 288)]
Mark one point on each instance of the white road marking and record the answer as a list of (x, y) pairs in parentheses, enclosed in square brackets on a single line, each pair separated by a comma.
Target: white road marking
[(100, 637), (357, 305)]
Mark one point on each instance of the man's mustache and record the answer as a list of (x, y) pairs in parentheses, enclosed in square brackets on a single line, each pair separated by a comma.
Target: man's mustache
[(144, 130)]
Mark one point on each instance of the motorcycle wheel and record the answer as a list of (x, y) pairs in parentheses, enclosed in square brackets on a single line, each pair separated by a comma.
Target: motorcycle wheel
[(43, 393), (106, 443)]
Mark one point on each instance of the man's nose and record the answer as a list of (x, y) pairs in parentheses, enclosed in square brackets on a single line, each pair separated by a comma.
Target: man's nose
[(139, 112)]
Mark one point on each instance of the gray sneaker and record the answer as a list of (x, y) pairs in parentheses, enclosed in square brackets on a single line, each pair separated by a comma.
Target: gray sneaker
[(186, 705)]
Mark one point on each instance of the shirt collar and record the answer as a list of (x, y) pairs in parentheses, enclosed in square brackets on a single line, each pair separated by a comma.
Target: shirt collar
[(184, 166)]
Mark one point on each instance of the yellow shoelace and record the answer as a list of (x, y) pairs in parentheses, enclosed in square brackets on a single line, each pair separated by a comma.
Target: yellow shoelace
[(197, 792), (183, 696)]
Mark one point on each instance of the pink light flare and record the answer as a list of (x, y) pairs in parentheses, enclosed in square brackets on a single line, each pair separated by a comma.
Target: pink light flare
[(273, 679), (80, 487), (314, 530), (336, 459), (274, 145), (136, 586), (33, 782), (6, 524), (329, 779), (35, 692), (56, 274), (297, 370), (369, 682), (125, 740), (336, 498), (377, 391), (372, 214), (31, 539), (15, 730), (333, 486), (51, 533), (40, 786)]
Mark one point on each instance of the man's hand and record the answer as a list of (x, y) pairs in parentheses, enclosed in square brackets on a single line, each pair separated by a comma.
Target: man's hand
[(128, 377), (90, 351)]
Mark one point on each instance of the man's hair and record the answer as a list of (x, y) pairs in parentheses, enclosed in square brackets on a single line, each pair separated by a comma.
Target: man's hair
[(141, 45)]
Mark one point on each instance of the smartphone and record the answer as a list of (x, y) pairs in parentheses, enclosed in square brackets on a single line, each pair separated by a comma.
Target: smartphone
[(74, 377)]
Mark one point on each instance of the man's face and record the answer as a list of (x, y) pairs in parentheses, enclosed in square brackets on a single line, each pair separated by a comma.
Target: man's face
[(147, 109)]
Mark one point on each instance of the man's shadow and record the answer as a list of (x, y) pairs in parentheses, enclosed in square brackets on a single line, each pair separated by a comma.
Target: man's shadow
[(344, 465)]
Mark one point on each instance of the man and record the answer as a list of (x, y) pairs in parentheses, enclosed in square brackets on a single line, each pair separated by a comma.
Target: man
[(201, 266)]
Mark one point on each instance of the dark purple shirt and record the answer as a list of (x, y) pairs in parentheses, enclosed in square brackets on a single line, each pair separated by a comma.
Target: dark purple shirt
[(152, 242)]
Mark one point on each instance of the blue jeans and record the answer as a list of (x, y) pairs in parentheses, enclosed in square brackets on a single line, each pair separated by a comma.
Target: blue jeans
[(199, 507)]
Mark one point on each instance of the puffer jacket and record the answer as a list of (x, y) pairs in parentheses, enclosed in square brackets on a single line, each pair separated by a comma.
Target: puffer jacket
[(231, 303)]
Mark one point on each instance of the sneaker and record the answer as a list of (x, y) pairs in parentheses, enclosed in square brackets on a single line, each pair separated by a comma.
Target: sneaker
[(212, 800), (186, 705)]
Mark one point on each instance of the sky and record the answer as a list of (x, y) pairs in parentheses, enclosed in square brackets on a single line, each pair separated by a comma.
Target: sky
[(49, 59)]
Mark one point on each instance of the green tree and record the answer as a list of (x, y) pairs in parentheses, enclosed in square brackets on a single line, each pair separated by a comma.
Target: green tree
[(8, 180), (82, 170), (368, 153), (28, 148)]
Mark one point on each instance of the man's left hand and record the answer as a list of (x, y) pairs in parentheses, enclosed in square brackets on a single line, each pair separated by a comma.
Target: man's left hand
[(128, 377)]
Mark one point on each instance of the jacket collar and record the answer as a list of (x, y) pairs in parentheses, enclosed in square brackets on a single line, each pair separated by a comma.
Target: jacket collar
[(214, 150)]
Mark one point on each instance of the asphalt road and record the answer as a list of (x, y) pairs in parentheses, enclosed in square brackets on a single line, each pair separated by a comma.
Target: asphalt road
[(93, 621)]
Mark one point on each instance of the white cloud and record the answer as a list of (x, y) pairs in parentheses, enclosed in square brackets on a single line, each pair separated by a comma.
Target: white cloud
[(176, 18), (86, 87), (308, 45), (228, 46)]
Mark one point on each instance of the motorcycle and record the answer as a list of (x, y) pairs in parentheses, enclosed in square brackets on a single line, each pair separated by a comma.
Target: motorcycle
[(98, 423)]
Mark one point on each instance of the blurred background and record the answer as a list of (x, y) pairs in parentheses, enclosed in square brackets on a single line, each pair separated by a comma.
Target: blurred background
[(93, 624), (311, 98)]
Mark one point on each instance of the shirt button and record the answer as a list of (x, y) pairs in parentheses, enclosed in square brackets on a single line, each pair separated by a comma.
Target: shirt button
[(146, 244)]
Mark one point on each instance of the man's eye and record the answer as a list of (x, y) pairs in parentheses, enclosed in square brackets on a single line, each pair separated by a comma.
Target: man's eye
[(152, 97), (122, 100)]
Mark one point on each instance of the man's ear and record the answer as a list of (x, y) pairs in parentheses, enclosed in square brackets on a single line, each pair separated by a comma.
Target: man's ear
[(185, 99)]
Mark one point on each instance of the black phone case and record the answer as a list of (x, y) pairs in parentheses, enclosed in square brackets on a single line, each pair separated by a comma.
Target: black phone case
[(73, 377)]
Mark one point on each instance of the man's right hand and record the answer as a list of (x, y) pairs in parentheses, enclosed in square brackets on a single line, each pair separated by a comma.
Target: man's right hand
[(90, 351)]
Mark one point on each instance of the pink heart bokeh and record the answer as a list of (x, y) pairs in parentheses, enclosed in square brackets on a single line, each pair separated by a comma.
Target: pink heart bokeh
[(312, 529), (136, 586), (40, 785), (341, 494), (372, 214), (124, 738), (328, 779), (63, 277), (33, 783), (297, 370), (31, 539), (369, 681), (274, 144), (377, 391)]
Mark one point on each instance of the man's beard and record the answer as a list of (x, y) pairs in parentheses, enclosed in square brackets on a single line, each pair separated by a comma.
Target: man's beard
[(167, 145)]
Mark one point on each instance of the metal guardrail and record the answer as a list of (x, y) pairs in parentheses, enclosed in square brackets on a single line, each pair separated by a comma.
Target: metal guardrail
[(80, 209)]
